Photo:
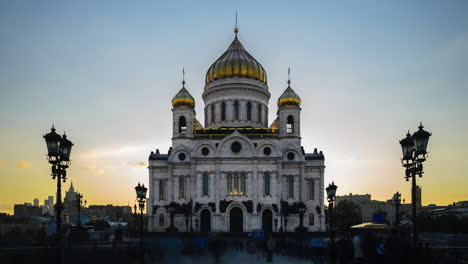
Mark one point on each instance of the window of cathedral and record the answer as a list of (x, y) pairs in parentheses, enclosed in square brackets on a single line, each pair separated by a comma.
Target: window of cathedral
[(267, 184), (311, 189), (236, 184), (181, 188), (311, 219), (223, 111), (212, 113), (205, 184), (161, 191), (182, 156), (267, 151), (290, 124), (205, 151), (291, 156), (182, 125), (290, 187), (161, 220), (236, 147), (249, 111), (236, 110), (259, 113)]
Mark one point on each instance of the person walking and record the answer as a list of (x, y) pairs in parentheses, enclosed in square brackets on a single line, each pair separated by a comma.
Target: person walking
[(270, 246)]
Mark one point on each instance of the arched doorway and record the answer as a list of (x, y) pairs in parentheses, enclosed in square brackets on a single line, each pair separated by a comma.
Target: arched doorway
[(267, 221), (236, 224), (205, 223)]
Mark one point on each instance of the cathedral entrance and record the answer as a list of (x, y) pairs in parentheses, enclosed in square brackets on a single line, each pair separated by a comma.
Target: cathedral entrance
[(236, 224), (205, 223), (267, 221)]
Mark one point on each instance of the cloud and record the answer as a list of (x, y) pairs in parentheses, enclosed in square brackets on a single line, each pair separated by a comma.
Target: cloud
[(23, 164), (93, 170), (138, 164)]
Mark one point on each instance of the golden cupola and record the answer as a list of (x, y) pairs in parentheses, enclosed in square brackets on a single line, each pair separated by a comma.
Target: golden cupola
[(236, 61), (289, 98), (183, 98)]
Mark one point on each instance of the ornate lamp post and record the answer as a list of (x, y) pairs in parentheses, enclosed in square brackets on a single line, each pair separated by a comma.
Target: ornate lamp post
[(397, 202), (171, 210), (58, 154), (281, 214), (78, 202), (141, 197), (331, 196), (276, 224), (414, 148), (301, 209)]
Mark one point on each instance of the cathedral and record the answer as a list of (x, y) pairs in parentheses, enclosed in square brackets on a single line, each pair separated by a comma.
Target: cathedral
[(237, 172)]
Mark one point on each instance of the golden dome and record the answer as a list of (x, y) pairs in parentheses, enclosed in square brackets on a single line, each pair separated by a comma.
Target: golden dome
[(275, 125), (196, 124), (183, 98), (289, 98), (236, 62)]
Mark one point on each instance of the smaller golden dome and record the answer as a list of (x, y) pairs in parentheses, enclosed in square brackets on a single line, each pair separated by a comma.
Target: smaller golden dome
[(289, 98), (183, 98), (196, 124), (274, 125)]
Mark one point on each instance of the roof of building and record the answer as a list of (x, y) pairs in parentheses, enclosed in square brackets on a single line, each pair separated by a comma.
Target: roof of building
[(236, 61)]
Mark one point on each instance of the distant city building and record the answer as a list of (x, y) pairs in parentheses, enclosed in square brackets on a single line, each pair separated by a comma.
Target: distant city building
[(355, 198), (70, 196), (48, 206), (36, 202), (371, 210), (27, 210)]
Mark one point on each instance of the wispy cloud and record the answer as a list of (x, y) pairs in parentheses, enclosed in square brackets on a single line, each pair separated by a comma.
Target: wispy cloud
[(23, 164), (93, 170), (138, 164)]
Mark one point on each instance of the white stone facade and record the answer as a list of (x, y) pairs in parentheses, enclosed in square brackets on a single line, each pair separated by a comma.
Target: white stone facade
[(236, 170)]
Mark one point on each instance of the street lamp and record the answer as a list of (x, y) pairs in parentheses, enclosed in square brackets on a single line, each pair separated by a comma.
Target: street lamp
[(301, 209), (141, 197), (414, 148), (78, 202), (397, 202), (171, 210), (281, 213), (58, 154), (331, 196)]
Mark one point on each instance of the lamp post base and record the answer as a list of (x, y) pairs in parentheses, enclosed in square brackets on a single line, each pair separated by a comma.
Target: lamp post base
[(172, 229), (300, 229)]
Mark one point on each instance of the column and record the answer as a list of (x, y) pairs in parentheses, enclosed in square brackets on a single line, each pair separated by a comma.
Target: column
[(211, 185)]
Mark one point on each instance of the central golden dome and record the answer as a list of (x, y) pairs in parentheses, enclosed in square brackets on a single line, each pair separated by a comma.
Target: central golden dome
[(236, 62)]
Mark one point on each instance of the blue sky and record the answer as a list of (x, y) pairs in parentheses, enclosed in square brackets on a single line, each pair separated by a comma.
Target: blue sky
[(105, 71)]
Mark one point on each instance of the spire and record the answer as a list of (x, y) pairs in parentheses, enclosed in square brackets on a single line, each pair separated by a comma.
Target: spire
[(183, 77), (71, 187), (236, 29), (289, 76)]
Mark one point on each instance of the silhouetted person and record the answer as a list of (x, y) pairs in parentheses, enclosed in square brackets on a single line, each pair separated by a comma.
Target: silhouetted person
[(270, 245), (369, 247)]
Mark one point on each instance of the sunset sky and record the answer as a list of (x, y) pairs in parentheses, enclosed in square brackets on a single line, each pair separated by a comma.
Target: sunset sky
[(105, 72)]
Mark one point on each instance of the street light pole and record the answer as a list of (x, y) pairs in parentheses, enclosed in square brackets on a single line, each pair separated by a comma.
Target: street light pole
[(397, 203), (58, 154), (141, 197), (78, 202), (331, 197), (414, 148)]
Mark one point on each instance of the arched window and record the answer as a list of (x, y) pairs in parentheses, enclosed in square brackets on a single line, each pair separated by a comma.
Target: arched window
[(223, 111), (311, 189), (311, 219), (259, 113), (161, 220), (236, 110), (205, 184), (181, 188), (290, 187), (249, 111), (267, 183), (290, 124), (182, 125), (229, 184), (161, 191), (212, 113)]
